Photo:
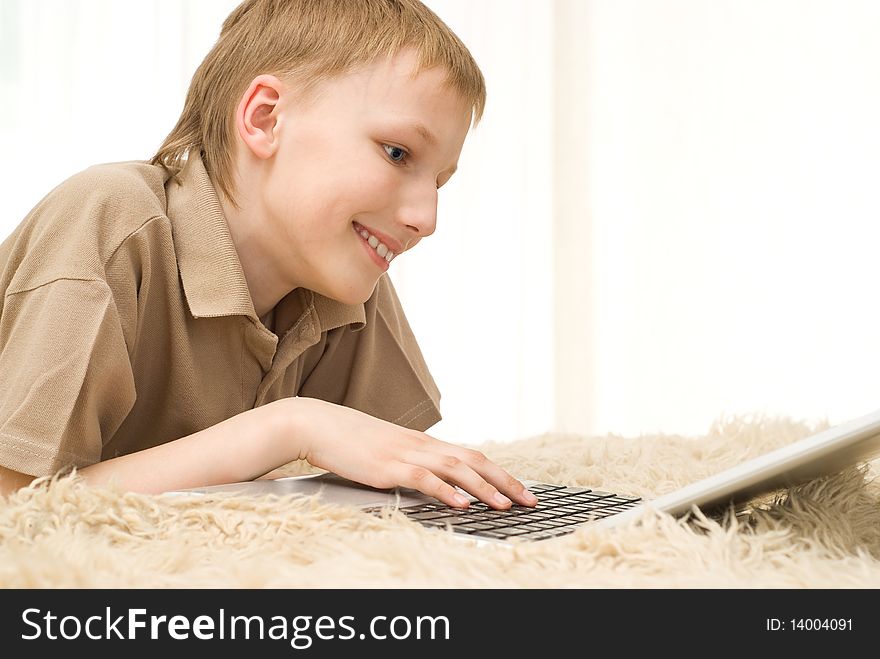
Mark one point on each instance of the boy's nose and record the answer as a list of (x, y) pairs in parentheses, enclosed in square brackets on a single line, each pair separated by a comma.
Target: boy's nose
[(419, 214)]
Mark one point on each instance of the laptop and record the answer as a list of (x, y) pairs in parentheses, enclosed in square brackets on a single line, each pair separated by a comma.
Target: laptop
[(562, 509)]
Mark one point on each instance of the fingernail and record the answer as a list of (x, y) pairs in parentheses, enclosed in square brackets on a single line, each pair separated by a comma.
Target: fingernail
[(460, 500), (528, 496), (501, 499)]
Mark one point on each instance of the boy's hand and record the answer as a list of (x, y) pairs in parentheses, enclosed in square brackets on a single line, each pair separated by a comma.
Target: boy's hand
[(380, 454)]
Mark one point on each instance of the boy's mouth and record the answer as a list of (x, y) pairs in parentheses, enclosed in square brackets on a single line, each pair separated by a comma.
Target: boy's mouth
[(381, 249)]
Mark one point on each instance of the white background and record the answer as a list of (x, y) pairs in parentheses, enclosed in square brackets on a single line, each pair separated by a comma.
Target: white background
[(668, 214)]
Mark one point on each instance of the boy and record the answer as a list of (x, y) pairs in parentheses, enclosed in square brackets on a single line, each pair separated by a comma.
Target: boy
[(224, 309)]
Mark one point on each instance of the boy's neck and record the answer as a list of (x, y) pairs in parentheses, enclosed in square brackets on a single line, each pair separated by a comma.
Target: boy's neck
[(265, 289)]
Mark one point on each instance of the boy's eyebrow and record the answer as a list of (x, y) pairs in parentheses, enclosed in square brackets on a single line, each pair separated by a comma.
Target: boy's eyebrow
[(426, 134)]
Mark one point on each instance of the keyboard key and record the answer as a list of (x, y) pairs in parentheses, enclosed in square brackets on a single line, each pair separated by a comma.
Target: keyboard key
[(574, 490), (428, 514)]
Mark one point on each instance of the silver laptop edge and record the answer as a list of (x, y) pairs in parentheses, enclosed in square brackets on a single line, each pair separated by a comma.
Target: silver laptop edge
[(821, 454)]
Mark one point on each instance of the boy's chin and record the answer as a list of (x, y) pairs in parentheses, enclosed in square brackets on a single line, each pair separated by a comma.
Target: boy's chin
[(353, 295)]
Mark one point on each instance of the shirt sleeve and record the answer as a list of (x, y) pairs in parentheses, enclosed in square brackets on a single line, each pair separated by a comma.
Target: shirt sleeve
[(378, 369), (67, 379)]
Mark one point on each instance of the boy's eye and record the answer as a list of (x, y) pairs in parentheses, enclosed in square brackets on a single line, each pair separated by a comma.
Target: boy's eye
[(395, 153)]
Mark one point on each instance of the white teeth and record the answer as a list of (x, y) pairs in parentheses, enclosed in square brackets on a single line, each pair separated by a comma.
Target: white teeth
[(381, 249)]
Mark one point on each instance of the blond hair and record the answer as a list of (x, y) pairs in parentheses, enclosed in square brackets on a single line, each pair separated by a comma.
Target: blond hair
[(307, 41)]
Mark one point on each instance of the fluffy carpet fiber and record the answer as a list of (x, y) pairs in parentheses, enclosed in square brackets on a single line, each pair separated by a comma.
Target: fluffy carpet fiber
[(824, 534)]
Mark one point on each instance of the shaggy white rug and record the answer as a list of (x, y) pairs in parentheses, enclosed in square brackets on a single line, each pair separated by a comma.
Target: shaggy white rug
[(825, 534)]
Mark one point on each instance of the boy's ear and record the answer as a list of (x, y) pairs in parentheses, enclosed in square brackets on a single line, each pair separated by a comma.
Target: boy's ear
[(257, 118)]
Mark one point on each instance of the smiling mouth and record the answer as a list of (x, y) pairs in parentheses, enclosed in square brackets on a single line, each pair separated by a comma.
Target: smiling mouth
[(381, 249)]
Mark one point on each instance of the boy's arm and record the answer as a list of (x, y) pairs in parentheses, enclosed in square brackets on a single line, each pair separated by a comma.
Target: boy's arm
[(10, 481), (345, 441), (238, 449)]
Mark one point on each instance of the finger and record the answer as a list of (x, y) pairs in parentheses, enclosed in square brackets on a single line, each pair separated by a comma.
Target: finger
[(418, 477), (455, 470), (493, 474)]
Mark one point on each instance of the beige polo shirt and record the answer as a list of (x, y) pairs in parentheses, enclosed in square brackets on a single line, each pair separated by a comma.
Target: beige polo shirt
[(126, 322)]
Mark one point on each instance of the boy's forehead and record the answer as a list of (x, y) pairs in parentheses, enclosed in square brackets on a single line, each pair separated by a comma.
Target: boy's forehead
[(399, 85), (396, 92), (402, 71)]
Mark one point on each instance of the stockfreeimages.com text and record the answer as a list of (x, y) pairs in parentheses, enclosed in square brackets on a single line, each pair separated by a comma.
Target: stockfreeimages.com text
[(300, 631)]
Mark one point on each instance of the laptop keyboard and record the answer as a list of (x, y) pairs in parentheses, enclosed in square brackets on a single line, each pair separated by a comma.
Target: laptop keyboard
[(560, 511)]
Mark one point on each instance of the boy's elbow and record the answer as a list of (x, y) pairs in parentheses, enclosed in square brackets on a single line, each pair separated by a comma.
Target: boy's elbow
[(12, 481)]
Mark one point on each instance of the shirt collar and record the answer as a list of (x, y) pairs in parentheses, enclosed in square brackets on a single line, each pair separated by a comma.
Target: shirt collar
[(213, 279)]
